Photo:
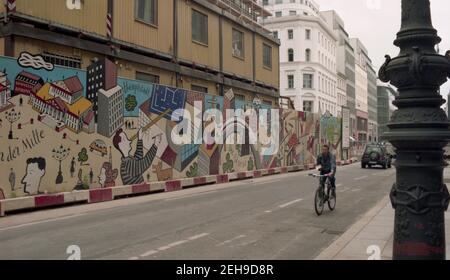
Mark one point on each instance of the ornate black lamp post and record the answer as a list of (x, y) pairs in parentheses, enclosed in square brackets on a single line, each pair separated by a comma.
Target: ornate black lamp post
[(419, 129)]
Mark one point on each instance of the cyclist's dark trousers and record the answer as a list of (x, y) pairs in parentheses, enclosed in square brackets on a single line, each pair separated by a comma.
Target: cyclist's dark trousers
[(332, 181)]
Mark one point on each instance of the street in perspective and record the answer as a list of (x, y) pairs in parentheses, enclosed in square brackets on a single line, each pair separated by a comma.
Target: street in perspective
[(224, 130)]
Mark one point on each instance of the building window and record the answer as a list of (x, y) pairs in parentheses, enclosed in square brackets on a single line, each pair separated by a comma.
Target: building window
[(291, 84), (308, 55), (275, 34), (199, 89), (308, 34), (147, 11), (290, 34), (147, 77), (308, 81), (199, 27), (308, 106), (292, 13), (267, 56), (72, 62), (278, 14), (291, 55), (265, 2), (238, 43)]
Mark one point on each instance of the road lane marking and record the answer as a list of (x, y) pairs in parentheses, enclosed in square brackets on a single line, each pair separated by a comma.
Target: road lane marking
[(149, 253), (361, 178), (266, 182), (160, 249), (338, 185), (133, 259), (231, 240), (44, 221), (290, 203), (178, 243), (198, 236), (356, 190), (172, 245), (268, 211)]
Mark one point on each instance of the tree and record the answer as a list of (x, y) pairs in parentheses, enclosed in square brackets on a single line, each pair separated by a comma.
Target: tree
[(250, 165), (130, 103), (193, 171), (83, 156)]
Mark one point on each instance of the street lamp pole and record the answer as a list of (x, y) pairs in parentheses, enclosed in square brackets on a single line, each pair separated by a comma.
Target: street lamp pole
[(419, 130)]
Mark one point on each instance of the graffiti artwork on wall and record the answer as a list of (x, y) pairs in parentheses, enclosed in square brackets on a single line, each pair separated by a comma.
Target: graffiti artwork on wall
[(65, 129), (331, 132)]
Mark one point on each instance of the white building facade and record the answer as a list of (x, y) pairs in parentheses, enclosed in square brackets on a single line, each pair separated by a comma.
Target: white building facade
[(362, 91), (308, 51)]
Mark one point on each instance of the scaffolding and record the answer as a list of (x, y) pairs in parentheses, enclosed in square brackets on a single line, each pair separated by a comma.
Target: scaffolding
[(247, 10)]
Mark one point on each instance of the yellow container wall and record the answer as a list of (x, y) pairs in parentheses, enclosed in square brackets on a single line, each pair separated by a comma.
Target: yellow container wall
[(263, 74), (91, 18), (231, 64), (187, 49), (128, 29)]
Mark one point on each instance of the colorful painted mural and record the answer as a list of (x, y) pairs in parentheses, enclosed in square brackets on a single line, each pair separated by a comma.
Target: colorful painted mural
[(64, 129)]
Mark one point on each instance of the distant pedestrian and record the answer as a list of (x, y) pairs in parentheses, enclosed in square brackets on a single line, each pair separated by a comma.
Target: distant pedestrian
[(72, 168), (12, 179), (21, 101), (91, 176)]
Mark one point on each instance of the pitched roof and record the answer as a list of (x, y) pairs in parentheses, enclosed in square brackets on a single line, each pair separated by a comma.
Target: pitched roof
[(109, 92), (60, 103), (89, 117), (73, 84), (43, 93), (79, 107), (28, 75)]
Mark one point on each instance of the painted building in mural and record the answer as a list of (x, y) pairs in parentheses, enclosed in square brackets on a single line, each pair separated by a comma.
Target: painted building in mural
[(101, 75), (27, 83), (61, 104), (5, 91), (110, 111)]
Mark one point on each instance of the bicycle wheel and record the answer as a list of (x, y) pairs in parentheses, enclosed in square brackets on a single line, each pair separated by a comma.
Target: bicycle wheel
[(332, 200), (319, 202)]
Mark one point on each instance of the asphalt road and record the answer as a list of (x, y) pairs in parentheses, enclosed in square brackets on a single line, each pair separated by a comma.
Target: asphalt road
[(266, 218)]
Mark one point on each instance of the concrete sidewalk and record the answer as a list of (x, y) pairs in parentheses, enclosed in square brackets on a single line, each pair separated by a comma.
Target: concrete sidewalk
[(372, 236)]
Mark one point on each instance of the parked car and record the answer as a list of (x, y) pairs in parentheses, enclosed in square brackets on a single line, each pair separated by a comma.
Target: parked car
[(376, 155)]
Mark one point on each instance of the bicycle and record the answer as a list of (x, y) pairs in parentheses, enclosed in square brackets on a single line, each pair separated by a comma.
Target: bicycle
[(320, 198)]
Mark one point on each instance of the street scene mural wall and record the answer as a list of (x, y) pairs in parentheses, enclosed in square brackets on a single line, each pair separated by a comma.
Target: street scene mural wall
[(64, 129)]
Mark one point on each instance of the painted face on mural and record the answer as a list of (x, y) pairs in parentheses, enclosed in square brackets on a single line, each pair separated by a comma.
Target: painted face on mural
[(34, 173), (124, 144)]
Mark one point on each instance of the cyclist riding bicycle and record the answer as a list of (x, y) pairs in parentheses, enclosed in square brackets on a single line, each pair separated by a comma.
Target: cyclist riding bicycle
[(326, 164)]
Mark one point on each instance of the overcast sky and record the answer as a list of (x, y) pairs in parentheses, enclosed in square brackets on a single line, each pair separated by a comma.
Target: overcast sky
[(376, 23)]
